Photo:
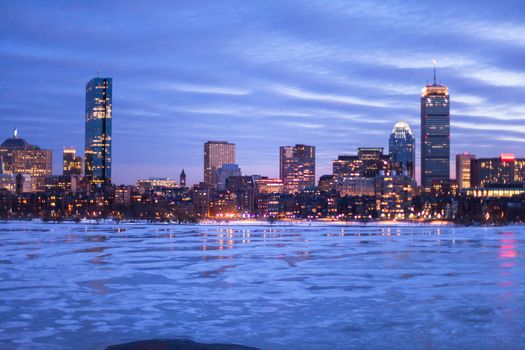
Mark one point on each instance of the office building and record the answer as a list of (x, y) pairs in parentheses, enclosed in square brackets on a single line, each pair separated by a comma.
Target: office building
[(216, 153), (435, 134), (504, 171), (463, 170), (222, 173), (297, 167), (71, 163), (98, 147), (401, 149), (19, 157)]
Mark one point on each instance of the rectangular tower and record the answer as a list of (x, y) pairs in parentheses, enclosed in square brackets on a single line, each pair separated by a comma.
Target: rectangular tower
[(297, 167), (98, 130), (71, 163), (435, 134), (216, 153), (463, 170)]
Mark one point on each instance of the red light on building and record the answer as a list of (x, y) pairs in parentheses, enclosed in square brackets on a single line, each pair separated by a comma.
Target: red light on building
[(507, 157)]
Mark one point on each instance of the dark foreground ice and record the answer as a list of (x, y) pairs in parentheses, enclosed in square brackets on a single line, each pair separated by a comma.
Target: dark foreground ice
[(74, 286)]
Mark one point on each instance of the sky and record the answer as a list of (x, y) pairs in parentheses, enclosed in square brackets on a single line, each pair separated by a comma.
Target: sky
[(262, 74)]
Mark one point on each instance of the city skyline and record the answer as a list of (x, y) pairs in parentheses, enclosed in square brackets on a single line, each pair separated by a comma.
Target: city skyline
[(319, 84)]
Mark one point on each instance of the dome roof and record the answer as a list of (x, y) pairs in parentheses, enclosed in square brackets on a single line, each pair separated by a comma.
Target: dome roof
[(402, 126), (15, 143)]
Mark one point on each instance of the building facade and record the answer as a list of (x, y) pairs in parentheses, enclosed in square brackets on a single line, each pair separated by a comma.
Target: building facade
[(463, 170), (435, 134), (71, 163), (19, 157), (98, 139), (402, 149), (221, 174), (504, 171), (216, 153), (297, 167)]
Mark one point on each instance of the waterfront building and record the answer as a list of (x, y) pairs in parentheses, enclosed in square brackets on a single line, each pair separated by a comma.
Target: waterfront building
[(200, 196), (297, 167), (504, 171), (98, 131), (223, 205), (394, 193), (216, 153), (463, 169), (71, 163), (402, 149)]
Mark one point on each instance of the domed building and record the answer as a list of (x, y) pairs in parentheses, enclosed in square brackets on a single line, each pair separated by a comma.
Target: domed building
[(17, 156), (402, 149)]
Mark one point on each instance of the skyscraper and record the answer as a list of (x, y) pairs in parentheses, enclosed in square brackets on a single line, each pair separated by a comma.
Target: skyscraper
[(435, 134), (216, 153), (464, 170), (98, 130), (297, 167), (71, 163), (402, 149)]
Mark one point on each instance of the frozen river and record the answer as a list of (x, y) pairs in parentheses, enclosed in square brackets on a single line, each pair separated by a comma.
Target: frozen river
[(76, 286)]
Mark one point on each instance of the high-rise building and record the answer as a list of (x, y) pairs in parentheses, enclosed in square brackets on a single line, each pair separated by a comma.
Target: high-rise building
[(71, 163), (373, 161), (98, 130), (463, 170), (19, 157), (435, 134), (216, 153), (297, 167), (182, 180), (402, 149)]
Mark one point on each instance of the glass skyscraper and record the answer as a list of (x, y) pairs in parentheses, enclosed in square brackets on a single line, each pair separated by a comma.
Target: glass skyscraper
[(435, 134), (98, 130), (402, 149)]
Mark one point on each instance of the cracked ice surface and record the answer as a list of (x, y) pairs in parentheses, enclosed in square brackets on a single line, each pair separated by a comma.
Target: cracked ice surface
[(65, 286)]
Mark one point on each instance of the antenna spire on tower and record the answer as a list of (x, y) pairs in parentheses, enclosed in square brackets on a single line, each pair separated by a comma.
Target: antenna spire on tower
[(434, 61), (15, 133)]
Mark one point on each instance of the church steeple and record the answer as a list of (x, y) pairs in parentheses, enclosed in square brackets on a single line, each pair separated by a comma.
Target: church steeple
[(182, 181)]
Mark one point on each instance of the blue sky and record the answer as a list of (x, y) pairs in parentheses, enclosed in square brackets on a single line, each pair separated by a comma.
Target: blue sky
[(335, 74)]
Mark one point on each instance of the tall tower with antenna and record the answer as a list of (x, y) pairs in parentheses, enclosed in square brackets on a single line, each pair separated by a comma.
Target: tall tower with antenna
[(435, 133)]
